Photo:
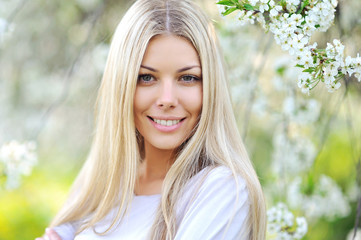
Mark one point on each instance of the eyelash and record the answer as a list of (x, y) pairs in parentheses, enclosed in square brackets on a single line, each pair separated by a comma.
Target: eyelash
[(144, 75), (194, 78), (141, 80)]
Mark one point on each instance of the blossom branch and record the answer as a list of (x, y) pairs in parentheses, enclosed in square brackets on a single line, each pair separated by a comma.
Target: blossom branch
[(293, 22)]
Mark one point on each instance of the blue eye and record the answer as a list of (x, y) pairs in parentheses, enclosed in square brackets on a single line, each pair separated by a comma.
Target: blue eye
[(189, 78), (145, 78)]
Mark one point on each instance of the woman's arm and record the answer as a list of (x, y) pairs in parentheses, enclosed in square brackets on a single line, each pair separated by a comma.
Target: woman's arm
[(50, 234), (216, 213), (63, 232)]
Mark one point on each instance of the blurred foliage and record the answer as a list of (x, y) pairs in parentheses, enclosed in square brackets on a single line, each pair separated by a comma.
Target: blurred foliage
[(52, 55)]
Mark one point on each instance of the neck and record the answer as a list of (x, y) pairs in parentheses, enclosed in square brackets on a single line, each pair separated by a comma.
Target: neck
[(156, 163)]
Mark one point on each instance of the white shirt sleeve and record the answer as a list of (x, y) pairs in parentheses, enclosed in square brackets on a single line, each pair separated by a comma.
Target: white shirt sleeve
[(66, 231), (208, 216)]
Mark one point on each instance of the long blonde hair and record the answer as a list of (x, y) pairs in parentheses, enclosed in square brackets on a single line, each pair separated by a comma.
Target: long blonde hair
[(108, 177)]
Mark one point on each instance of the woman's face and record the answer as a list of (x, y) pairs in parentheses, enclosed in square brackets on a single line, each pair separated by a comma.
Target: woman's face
[(168, 97)]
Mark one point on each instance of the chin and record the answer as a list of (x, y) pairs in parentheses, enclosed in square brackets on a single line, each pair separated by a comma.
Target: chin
[(167, 146)]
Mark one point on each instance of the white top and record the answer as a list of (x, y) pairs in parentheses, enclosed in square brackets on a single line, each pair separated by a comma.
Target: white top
[(203, 212)]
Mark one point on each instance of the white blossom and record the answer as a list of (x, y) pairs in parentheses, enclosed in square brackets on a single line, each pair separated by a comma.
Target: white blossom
[(246, 17), (302, 112), (329, 76), (292, 156), (291, 8), (17, 160), (301, 229), (263, 6), (282, 225), (275, 10), (261, 20), (332, 86), (334, 3), (293, 2), (303, 81), (253, 2), (350, 235), (300, 41), (293, 32), (326, 199)]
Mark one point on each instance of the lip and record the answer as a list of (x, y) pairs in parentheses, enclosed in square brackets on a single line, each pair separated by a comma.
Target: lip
[(166, 118), (163, 128)]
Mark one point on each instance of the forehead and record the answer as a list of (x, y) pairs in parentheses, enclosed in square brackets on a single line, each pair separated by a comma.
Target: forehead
[(170, 49)]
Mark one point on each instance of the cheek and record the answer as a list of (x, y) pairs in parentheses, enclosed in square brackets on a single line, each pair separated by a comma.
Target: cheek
[(194, 101), (141, 101), (199, 101), (138, 106)]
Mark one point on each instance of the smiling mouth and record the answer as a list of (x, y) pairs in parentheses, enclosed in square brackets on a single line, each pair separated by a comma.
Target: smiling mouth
[(167, 123)]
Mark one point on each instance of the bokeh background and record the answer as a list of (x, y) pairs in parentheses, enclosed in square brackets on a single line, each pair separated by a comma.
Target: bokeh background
[(305, 148)]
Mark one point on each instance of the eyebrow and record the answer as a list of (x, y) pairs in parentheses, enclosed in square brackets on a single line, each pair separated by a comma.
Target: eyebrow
[(180, 70)]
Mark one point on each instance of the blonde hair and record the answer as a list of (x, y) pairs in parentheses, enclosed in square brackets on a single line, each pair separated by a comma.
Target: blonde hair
[(115, 153)]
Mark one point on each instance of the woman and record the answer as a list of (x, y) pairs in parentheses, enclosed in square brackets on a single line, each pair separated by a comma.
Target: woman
[(167, 161)]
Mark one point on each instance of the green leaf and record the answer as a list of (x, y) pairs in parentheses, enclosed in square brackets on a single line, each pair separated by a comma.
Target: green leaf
[(248, 7), (300, 66), (309, 70), (304, 4), (317, 26), (229, 11), (308, 185), (314, 59), (226, 2), (282, 3), (281, 70)]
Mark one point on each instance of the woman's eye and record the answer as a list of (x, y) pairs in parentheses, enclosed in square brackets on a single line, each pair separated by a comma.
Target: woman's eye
[(145, 78), (190, 78)]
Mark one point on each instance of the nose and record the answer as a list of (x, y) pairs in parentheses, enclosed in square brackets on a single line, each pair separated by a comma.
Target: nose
[(167, 97)]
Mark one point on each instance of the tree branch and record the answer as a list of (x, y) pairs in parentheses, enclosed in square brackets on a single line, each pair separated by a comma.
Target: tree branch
[(252, 97), (16, 11), (358, 215), (67, 82)]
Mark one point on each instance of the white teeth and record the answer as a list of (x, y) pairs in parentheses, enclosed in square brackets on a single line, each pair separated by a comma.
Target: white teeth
[(166, 122)]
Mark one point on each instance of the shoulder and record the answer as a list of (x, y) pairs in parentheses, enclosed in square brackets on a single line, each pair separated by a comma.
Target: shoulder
[(219, 180), (215, 187), (216, 204)]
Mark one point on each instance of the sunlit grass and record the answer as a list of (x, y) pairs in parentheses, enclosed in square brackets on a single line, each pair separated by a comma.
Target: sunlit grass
[(25, 212)]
